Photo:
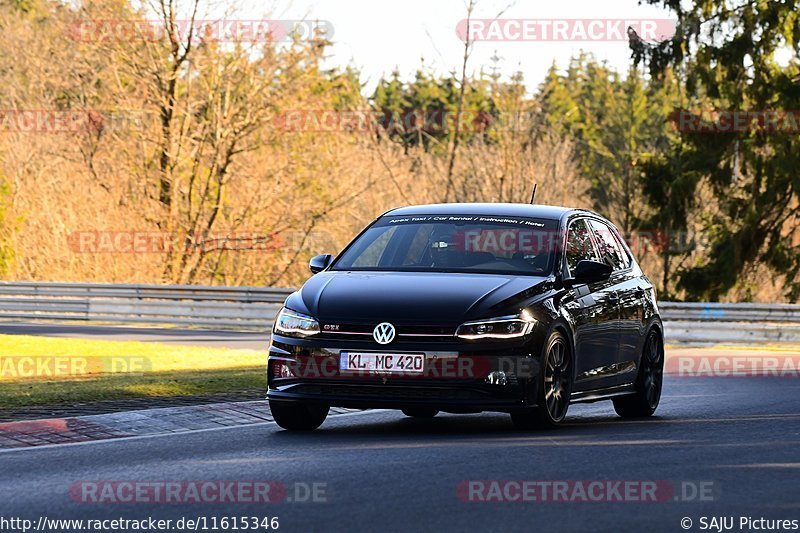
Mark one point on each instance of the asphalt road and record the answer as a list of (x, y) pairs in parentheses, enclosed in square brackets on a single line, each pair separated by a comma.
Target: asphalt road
[(252, 340), (384, 472)]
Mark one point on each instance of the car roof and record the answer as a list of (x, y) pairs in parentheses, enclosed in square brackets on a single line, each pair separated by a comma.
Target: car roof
[(489, 209)]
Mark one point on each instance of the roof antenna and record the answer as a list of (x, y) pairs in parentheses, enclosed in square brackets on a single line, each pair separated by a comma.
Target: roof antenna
[(533, 194)]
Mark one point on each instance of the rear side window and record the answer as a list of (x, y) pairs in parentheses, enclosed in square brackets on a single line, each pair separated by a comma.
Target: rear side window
[(610, 249), (626, 257), (579, 245)]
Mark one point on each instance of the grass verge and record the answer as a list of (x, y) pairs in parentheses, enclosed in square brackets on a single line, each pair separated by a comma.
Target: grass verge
[(51, 371)]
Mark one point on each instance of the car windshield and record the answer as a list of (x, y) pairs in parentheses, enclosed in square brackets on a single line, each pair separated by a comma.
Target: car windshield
[(454, 243)]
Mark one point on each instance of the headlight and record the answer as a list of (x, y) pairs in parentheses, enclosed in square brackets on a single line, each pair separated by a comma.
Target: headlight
[(506, 327), (294, 324)]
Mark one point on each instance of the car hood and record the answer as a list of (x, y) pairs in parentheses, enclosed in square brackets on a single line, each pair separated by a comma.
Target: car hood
[(413, 297)]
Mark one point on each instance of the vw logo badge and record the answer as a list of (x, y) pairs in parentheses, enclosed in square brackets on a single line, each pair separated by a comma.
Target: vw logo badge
[(383, 333)]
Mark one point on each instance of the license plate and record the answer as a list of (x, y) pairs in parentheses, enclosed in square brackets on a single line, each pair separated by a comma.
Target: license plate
[(381, 363)]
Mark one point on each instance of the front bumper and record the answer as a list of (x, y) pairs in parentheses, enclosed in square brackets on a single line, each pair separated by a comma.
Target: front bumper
[(456, 375)]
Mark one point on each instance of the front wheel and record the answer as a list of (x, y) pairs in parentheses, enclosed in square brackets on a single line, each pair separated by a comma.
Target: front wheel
[(554, 390), (298, 416), (648, 382)]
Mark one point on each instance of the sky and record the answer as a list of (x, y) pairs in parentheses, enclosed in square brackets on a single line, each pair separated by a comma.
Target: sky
[(377, 36)]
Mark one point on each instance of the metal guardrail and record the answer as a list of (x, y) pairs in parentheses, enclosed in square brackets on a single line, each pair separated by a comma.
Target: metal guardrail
[(255, 308), (240, 307)]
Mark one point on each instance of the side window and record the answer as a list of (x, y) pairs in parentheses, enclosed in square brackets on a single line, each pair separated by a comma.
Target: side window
[(579, 245), (611, 251), (626, 259)]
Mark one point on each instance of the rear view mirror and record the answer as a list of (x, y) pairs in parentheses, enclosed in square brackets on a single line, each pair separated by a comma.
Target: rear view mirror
[(320, 263), (592, 272)]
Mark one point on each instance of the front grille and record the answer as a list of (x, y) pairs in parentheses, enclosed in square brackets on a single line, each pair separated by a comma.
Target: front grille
[(405, 333)]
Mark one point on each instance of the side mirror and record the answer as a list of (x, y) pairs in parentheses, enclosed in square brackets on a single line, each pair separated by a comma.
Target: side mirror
[(320, 263), (592, 272)]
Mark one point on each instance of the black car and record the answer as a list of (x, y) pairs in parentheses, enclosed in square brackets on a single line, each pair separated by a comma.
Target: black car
[(466, 308)]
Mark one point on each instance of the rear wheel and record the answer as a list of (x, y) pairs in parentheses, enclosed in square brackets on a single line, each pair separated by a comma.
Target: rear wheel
[(420, 412), (648, 382), (554, 390), (298, 416)]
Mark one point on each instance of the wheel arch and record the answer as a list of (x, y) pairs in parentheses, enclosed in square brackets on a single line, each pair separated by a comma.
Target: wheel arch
[(563, 327), (654, 324)]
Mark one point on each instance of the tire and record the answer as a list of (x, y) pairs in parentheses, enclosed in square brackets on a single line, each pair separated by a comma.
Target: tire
[(649, 381), (298, 416), (420, 412), (554, 390)]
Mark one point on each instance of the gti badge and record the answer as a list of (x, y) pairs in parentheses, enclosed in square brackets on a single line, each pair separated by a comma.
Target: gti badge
[(383, 333)]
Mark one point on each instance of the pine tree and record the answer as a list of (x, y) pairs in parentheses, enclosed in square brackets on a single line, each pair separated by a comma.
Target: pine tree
[(729, 51)]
